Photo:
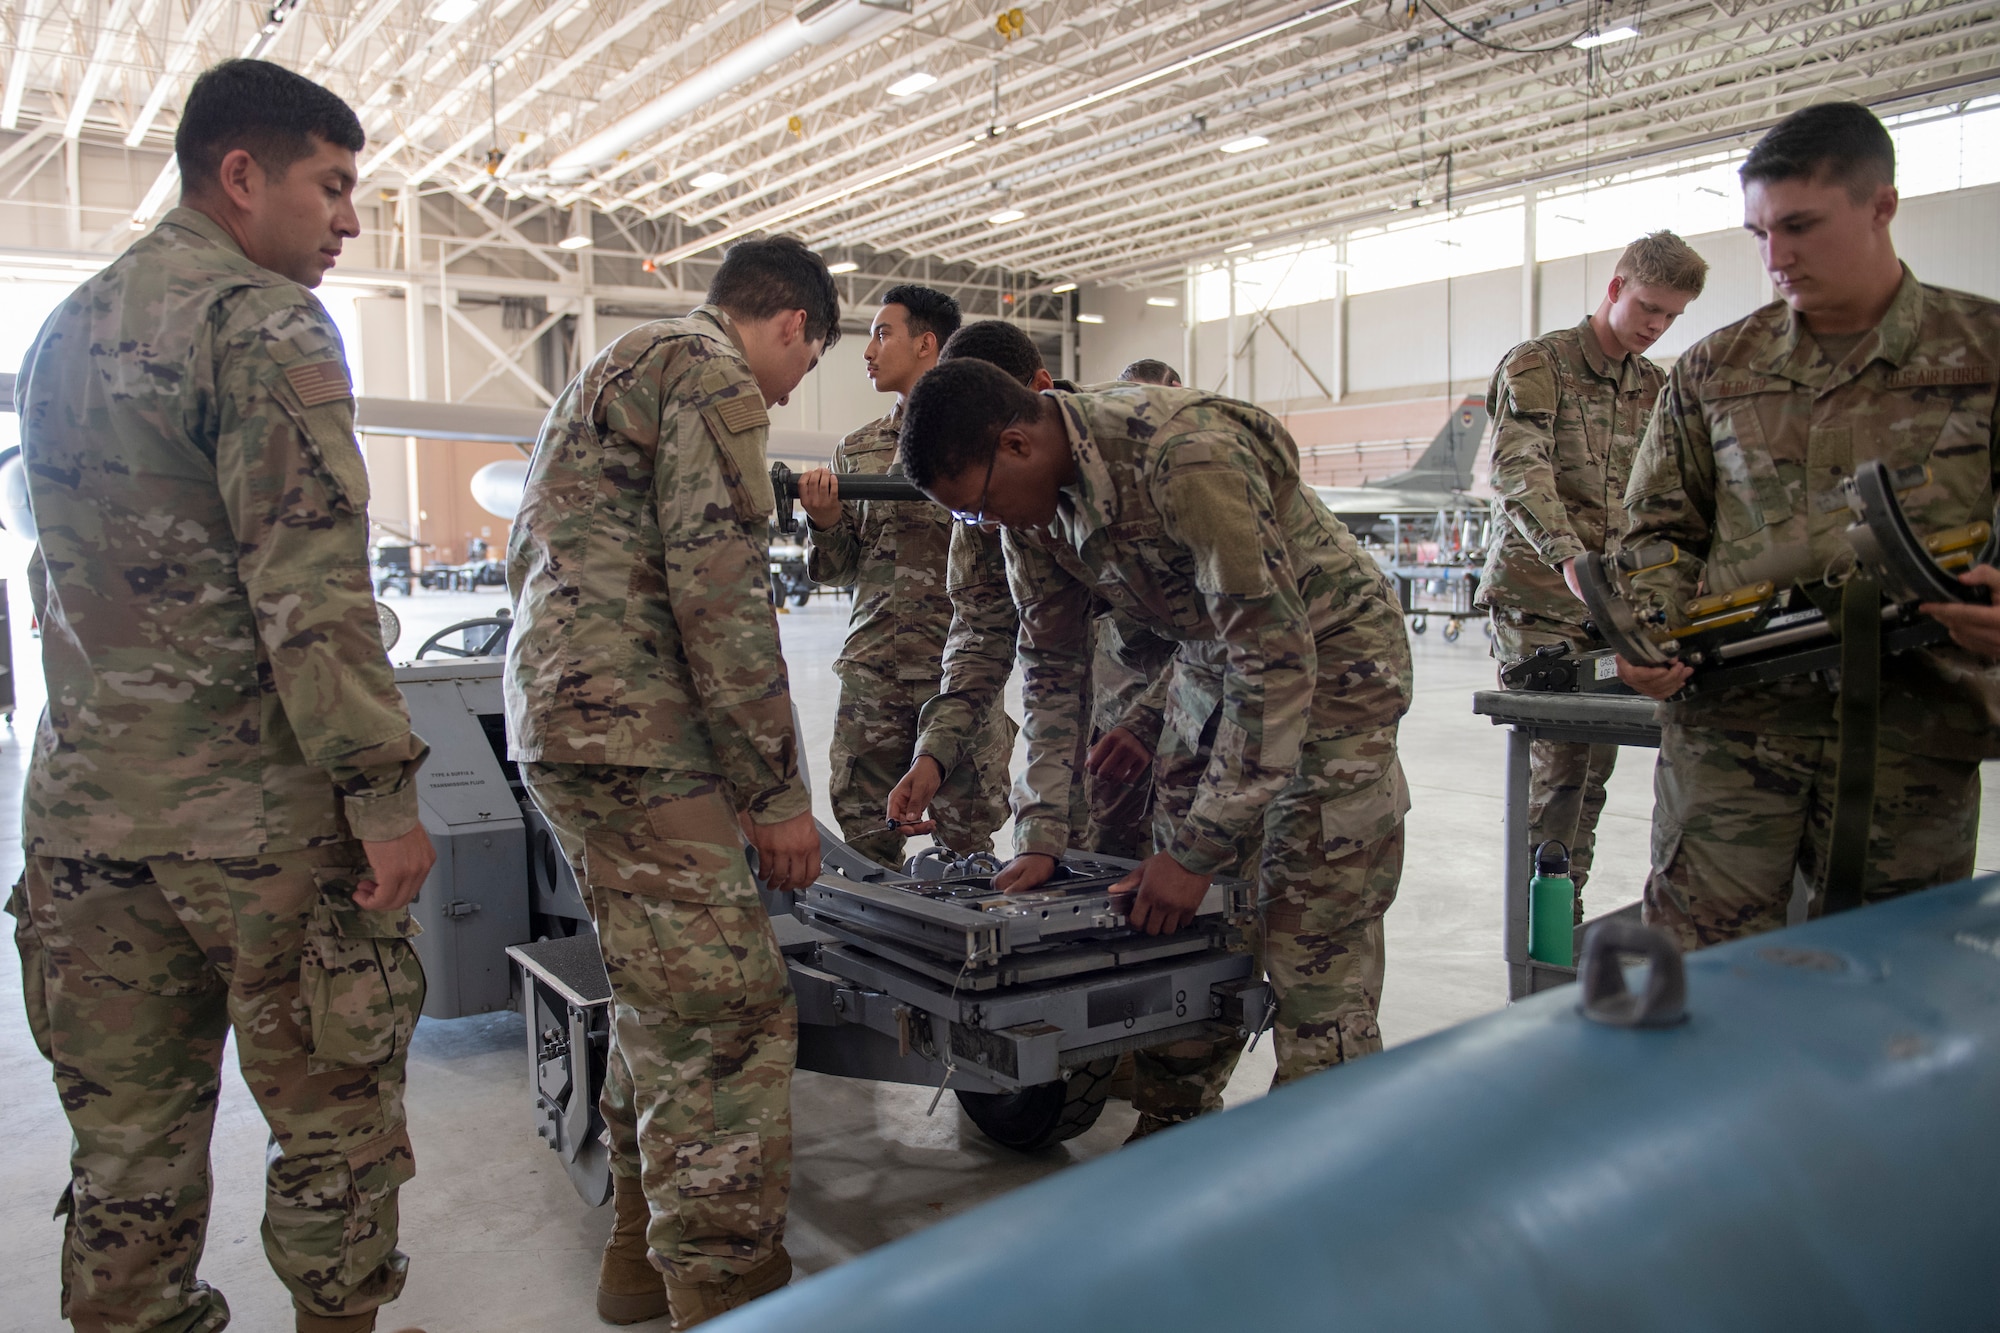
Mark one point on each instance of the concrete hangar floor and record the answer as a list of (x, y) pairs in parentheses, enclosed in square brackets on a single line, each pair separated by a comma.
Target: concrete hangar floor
[(498, 1239)]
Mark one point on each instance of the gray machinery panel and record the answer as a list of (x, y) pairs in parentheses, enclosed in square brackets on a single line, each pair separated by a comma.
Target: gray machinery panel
[(472, 907)]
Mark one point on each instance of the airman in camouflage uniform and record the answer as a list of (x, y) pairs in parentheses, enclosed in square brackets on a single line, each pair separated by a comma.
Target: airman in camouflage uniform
[(896, 555), (220, 819), (1757, 426), (648, 705), (1184, 510), (1568, 409)]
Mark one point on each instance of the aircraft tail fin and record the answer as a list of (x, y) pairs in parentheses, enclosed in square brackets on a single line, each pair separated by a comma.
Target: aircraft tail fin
[(1446, 465)]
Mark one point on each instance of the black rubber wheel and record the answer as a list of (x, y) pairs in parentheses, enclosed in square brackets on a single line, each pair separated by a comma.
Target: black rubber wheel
[(1418, 624), (1451, 629), (800, 596), (1045, 1114)]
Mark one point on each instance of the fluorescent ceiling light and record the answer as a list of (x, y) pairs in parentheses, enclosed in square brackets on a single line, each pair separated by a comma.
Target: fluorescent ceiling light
[(844, 266), (1062, 287), (1618, 34), (911, 83), (708, 180), (579, 230), (451, 11), (1243, 145), (1005, 216), (1090, 319), (1237, 248), (1164, 302)]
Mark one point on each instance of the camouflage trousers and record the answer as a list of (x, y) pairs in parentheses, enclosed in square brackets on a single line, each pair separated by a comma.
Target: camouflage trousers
[(1565, 779), (1327, 869), (704, 1031), (135, 973), (1738, 815), (874, 738)]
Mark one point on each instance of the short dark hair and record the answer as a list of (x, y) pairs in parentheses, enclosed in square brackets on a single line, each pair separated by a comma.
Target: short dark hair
[(264, 109), (998, 343), (931, 311), (1841, 141), (954, 416), (759, 279), (1148, 371)]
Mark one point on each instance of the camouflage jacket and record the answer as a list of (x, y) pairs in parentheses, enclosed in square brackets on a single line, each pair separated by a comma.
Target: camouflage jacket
[(1741, 469), (893, 553), (1128, 664), (1567, 421), (217, 684), (1188, 518), (643, 626), (978, 652)]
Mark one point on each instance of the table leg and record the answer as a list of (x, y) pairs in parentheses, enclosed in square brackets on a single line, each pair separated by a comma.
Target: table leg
[(1514, 874)]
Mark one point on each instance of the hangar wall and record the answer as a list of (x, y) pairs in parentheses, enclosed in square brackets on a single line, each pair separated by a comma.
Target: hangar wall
[(1376, 368)]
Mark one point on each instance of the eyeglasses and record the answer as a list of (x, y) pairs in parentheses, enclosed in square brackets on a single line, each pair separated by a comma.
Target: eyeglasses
[(977, 514)]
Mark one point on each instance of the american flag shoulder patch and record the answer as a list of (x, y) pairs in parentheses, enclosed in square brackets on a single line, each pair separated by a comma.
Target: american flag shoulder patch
[(741, 414), (319, 382)]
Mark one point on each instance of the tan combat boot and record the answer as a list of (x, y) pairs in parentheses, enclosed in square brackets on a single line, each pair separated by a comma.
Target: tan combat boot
[(698, 1302), (629, 1288)]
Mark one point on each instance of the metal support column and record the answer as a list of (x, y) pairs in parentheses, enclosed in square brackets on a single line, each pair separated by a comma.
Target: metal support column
[(1531, 284)]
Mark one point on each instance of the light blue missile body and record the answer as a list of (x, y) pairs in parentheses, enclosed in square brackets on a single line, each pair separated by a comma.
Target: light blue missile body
[(1816, 1148)]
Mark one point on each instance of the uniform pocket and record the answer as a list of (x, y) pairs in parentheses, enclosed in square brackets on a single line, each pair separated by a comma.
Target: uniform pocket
[(359, 979), (1749, 493), (34, 968), (723, 1165), (719, 964)]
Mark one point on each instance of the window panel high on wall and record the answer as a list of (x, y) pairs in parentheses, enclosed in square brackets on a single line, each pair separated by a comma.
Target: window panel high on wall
[(1936, 151)]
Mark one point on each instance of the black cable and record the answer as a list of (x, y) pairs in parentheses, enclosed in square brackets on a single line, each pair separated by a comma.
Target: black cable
[(1439, 15)]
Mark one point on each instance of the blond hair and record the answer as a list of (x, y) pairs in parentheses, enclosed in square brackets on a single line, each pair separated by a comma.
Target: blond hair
[(1663, 259)]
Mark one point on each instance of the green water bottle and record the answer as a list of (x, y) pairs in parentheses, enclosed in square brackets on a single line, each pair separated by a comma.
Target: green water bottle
[(1552, 907)]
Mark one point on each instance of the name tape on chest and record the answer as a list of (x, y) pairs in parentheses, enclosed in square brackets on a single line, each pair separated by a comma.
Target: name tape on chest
[(318, 382)]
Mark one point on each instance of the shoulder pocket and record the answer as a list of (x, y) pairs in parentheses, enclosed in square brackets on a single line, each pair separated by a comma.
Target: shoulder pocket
[(1220, 529), (740, 426), (315, 394), (359, 979)]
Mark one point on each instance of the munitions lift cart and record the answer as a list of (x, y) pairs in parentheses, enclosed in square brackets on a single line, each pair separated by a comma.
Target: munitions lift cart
[(1018, 1004)]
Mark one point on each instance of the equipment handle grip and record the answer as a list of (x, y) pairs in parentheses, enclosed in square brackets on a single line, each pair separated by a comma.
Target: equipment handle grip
[(1601, 978), (849, 486)]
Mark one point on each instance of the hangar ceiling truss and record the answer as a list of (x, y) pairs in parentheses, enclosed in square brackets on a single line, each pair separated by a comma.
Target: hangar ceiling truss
[(1095, 136)]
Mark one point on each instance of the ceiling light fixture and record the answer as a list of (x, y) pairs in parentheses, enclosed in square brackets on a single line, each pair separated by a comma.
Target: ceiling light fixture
[(911, 84), (1005, 216), (844, 266), (1062, 287), (1243, 145), (662, 114), (1163, 302), (709, 180), (451, 11), (1090, 319), (1592, 39), (579, 230)]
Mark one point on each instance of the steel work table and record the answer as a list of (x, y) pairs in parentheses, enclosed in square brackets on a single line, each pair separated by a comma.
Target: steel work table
[(1593, 719)]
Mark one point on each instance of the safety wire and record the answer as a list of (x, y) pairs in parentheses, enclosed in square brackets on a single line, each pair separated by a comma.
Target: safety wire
[(950, 1065)]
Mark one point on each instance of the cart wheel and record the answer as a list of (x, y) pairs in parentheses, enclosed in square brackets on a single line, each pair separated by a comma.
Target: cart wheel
[(1045, 1114), (802, 596), (590, 1172), (1419, 623), (1451, 629)]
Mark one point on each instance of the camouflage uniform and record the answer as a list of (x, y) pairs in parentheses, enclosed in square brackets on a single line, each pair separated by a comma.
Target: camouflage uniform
[(222, 727), (1756, 428), (1567, 419), (648, 704), (1187, 515), (894, 554), (1127, 663)]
